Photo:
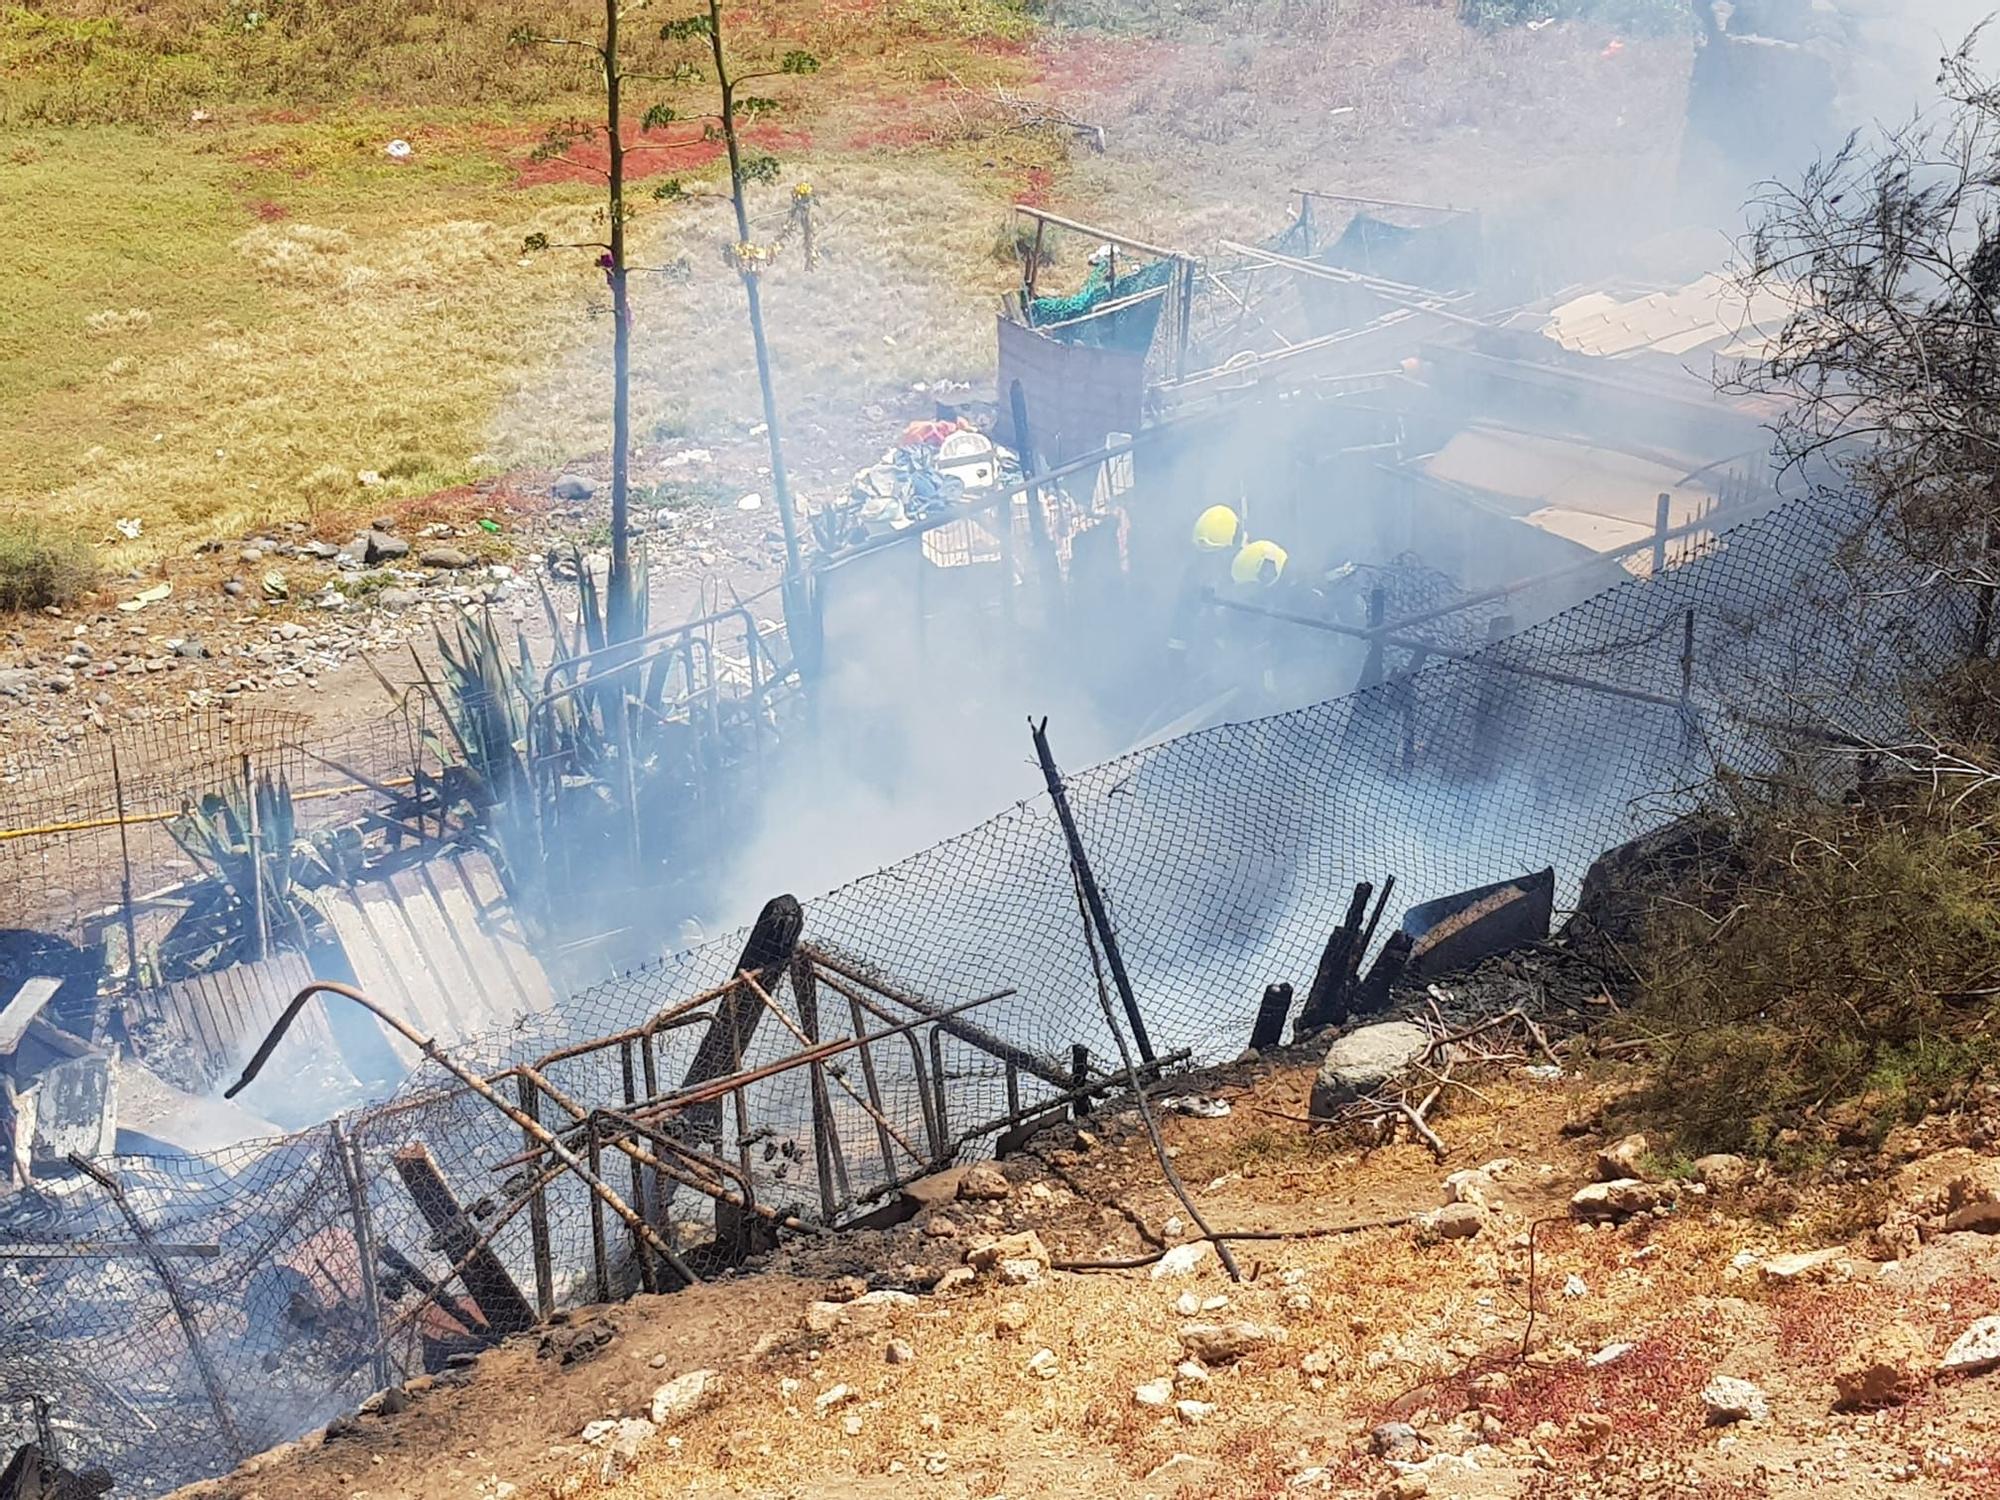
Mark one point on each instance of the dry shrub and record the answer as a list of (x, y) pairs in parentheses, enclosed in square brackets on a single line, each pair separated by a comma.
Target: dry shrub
[(1832, 977), (40, 566), (301, 255)]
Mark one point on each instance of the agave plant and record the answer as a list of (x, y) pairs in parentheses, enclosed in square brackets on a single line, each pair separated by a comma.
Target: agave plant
[(215, 833)]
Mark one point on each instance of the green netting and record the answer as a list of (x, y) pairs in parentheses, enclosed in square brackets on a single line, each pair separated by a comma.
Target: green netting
[(1131, 328)]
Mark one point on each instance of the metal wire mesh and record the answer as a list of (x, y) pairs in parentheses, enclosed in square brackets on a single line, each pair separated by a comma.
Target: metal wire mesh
[(1226, 855)]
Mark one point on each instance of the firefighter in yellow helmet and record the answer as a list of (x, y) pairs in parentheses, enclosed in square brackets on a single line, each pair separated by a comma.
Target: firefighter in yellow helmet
[(1217, 533), (1258, 563)]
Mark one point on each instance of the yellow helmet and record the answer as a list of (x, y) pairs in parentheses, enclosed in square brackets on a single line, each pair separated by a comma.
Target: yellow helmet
[(1216, 529), (1254, 559)]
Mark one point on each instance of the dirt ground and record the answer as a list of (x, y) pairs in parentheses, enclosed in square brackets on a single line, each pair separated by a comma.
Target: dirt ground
[(1539, 1357)]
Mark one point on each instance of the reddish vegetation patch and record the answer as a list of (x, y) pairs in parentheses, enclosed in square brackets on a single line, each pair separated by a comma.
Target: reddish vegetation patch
[(588, 161), (1035, 191), (1653, 1388), (270, 212), (1098, 66)]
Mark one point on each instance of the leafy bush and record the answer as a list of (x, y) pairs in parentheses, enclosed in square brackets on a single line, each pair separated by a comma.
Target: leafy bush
[(40, 566), (1836, 975)]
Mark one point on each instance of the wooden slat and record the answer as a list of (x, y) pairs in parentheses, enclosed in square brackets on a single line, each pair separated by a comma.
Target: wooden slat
[(28, 1002)]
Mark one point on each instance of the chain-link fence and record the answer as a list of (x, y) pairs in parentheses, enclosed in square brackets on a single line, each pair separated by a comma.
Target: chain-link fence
[(1227, 856)]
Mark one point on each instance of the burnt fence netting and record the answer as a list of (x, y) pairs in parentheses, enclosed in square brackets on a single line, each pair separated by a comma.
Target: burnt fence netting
[(1226, 857)]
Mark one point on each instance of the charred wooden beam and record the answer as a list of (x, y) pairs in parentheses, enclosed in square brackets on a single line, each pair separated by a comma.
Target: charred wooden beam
[(487, 1280)]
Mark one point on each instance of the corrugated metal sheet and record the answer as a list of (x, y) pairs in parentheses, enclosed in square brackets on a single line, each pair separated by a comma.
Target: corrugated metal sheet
[(437, 944), (1712, 315)]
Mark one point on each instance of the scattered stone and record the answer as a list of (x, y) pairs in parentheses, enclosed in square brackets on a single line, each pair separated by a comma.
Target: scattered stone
[(873, 1310), (824, 1317), (1974, 1351), (1888, 1367), (1455, 1221), (1730, 1399), (1593, 1430), (1610, 1354), (1011, 1317), (899, 1352), (444, 557), (1805, 1266), (1611, 1202), (952, 1279), (1473, 1186), (1319, 1362), (275, 586), (576, 1343), (1043, 1365), (1013, 1248), (625, 1445), (684, 1395), (1189, 1373), (191, 651), (233, 587), (984, 1183), (1154, 1393), (1225, 1343), (1722, 1173), (382, 547), (846, 1289), (1397, 1440), (573, 487), (657, 1362), (1187, 1304), (832, 1397), (1619, 1162), (938, 1227), (1191, 1411), (1363, 1061), (1972, 1201), (1183, 1260)]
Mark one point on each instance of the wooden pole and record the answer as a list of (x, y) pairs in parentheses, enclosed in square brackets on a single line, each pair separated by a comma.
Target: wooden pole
[(826, 1145), (262, 934), (347, 1155), (1662, 512), (125, 880), (1099, 916), (211, 1379), (538, 1208), (1269, 1028), (641, 1252)]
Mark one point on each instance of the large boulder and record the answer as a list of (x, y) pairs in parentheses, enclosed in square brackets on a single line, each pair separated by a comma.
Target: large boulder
[(1363, 1061)]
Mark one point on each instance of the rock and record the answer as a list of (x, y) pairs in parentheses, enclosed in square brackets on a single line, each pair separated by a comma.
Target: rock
[(1183, 1260), (1364, 1060), (275, 586), (1154, 1393), (233, 587), (398, 598), (1729, 1399), (382, 547), (60, 682), (1191, 1411), (938, 1227), (291, 630), (444, 557), (874, 1310), (1225, 1343), (1187, 1372), (952, 1279), (575, 1343), (1397, 1440), (625, 1445), (353, 550), (191, 651), (1011, 1317), (15, 681), (1025, 1246), (1022, 1272), (573, 487), (899, 1352), (1609, 1202), (1888, 1367), (983, 1183), (833, 1396), (824, 1317), (1619, 1162), (1804, 1266), (1972, 1201), (1722, 1172), (323, 551), (1455, 1221), (250, 555), (1974, 1351), (846, 1289), (684, 1395), (1593, 1430), (1043, 1365), (1472, 1185)]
